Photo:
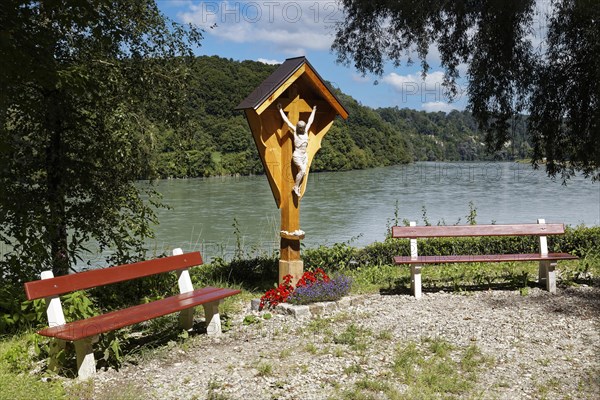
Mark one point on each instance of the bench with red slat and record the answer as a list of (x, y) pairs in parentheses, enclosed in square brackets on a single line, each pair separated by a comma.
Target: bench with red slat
[(547, 260), (83, 332)]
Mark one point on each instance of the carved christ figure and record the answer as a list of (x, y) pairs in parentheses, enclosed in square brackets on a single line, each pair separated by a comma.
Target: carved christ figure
[(299, 156)]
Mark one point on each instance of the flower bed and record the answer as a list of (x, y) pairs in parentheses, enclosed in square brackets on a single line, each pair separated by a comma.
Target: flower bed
[(313, 286), (332, 290)]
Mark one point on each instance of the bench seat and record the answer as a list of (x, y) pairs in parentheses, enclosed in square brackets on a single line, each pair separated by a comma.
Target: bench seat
[(483, 258), (129, 316)]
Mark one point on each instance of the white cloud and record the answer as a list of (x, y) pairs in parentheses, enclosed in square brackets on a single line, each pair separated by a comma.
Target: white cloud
[(434, 106), (270, 62), (360, 78), (413, 87), (287, 24), (414, 83)]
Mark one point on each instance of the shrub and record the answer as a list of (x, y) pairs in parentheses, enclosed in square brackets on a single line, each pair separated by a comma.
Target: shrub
[(332, 258)]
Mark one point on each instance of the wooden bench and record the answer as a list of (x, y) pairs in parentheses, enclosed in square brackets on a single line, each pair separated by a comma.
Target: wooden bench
[(548, 261), (85, 332)]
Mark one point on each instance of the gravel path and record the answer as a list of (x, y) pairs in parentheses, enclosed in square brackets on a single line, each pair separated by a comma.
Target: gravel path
[(535, 346)]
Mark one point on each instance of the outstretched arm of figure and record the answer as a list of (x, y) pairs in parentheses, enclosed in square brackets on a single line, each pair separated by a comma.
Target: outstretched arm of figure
[(310, 119), (285, 119)]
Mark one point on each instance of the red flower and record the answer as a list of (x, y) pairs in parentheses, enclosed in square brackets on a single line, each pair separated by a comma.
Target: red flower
[(279, 295), (273, 297)]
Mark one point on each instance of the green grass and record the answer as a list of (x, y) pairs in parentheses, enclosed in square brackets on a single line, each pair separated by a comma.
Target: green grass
[(311, 348), (16, 383), (470, 276), (431, 369), (352, 336), (26, 387), (264, 369), (319, 325)]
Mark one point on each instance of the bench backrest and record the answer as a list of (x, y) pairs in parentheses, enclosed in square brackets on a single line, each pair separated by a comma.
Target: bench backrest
[(414, 232), (105, 276)]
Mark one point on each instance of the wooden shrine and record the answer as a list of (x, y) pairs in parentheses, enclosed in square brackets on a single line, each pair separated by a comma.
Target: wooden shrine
[(295, 87)]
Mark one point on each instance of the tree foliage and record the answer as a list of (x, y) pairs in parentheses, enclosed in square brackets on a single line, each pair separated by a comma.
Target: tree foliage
[(507, 75), (565, 106), (83, 85)]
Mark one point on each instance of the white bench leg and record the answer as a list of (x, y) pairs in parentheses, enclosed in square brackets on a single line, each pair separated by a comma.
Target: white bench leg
[(551, 277), (212, 318), (543, 272), (415, 280), (547, 275), (86, 364)]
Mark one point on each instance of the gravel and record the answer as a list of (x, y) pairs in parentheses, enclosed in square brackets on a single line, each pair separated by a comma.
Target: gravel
[(536, 346)]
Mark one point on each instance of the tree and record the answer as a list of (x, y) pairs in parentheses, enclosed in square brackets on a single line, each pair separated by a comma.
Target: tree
[(565, 105), (558, 87), (83, 83)]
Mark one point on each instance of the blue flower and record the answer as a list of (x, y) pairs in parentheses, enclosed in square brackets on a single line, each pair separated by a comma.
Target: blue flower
[(333, 290)]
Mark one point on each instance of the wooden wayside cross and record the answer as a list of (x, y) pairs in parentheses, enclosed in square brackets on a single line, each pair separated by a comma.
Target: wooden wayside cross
[(297, 88)]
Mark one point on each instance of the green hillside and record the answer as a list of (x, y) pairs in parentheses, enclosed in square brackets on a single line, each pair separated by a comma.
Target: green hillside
[(218, 140), (437, 136)]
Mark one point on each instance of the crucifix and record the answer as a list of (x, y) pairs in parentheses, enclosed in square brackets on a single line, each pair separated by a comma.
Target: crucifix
[(290, 261), (288, 114)]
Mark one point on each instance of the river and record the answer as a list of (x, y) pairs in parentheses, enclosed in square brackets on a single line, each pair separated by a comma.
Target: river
[(356, 206)]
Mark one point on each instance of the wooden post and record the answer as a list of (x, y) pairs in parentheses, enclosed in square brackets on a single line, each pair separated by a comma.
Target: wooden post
[(289, 256)]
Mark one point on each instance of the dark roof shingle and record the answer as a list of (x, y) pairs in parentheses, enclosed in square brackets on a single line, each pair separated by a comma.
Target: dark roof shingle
[(275, 80)]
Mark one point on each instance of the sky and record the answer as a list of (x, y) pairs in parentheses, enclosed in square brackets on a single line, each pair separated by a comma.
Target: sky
[(271, 31)]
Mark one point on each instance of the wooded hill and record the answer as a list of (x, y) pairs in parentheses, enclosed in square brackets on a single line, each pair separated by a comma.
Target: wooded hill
[(218, 140)]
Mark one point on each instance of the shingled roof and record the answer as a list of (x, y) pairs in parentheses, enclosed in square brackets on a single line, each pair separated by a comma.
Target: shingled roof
[(285, 71)]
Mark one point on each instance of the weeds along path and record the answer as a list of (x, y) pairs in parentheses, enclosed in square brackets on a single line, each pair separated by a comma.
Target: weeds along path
[(490, 345)]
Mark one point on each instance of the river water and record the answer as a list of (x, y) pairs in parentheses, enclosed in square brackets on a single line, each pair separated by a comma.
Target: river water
[(357, 206)]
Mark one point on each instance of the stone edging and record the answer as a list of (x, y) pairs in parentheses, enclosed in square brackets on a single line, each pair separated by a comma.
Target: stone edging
[(310, 310)]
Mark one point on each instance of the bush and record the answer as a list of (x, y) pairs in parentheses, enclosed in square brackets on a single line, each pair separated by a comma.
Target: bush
[(334, 258), (257, 271)]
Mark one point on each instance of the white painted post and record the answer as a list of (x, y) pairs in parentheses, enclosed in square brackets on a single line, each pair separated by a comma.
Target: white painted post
[(414, 251), (212, 318), (415, 281), (54, 309), (186, 317), (546, 270), (551, 277), (56, 317), (86, 364), (415, 269)]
